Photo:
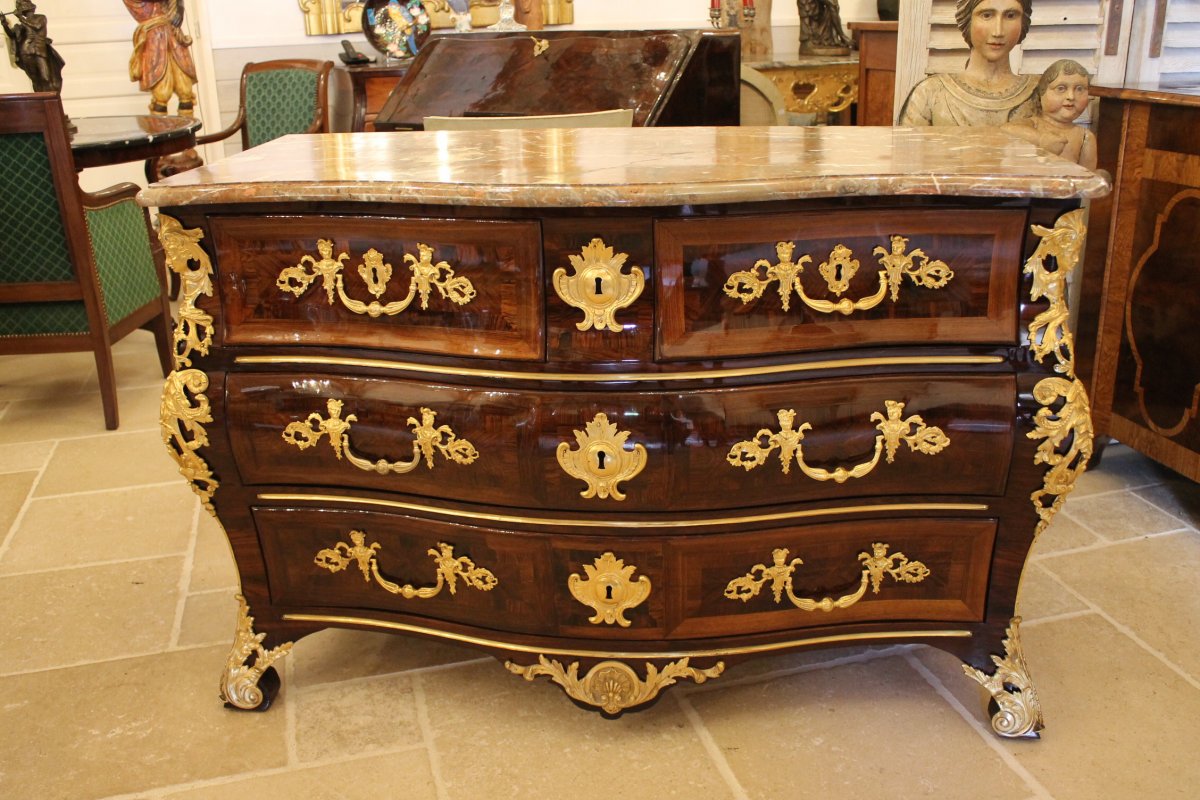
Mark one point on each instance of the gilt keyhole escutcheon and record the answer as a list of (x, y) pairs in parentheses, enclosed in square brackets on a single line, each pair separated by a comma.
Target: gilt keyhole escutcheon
[(609, 589)]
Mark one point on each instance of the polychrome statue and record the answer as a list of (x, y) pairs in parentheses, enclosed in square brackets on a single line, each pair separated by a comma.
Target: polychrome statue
[(161, 62), (1062, 95)]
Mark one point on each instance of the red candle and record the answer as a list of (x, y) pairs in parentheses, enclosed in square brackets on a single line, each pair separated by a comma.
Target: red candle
[(715, 5)]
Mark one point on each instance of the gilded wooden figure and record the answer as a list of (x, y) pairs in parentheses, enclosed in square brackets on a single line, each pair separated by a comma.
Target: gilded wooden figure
[(1061, 95), (161, 62), (31, 49), (987, 91)]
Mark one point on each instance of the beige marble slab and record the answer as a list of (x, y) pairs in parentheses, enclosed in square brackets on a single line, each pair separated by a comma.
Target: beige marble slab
[(630, 167)]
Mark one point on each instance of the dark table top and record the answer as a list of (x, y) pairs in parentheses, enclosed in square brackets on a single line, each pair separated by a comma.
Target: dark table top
[(98, 141)]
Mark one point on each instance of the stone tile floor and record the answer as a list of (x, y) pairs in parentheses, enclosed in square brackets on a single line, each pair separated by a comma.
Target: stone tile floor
[(117, 598)]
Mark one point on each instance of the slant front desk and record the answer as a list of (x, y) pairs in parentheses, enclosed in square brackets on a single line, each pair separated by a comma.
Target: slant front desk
[(668, 77), (624, 407)]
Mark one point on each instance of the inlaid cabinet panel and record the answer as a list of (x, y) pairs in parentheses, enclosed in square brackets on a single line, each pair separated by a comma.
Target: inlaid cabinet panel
[(859, 571), (813, 281), (620, 451), (461, 287)]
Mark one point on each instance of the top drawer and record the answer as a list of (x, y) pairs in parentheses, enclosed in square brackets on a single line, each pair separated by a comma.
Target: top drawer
[(467, 288), (820, 280)]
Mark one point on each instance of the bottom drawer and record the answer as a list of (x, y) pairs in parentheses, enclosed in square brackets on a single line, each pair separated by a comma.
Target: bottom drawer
[(637, 586)]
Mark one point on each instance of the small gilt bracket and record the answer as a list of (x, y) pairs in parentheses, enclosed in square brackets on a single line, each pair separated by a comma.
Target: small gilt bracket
[(893, 429), (609, 589), (248, 661), (539, 46), (181, 417), (429, 439), (194, 330), (376, 274), (598, 288), (1018, 711), (838, 270), (612, 686), (449, 567), (601, 461), (1064, 423), (876, 564)]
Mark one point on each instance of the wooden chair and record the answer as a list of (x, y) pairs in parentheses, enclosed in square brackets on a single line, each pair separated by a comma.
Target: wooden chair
[(277, 98), (614, 118), (78, 271)]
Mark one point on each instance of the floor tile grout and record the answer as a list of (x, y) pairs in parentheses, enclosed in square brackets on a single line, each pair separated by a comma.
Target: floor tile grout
[(11, 533), (1106, 544), (1126, 631), (431, 751), (412, 672), (91, 564), (185, 574), (723, 767), (109, 490), (985, 733)]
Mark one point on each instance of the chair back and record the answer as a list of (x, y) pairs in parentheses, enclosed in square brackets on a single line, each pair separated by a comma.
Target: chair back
[(614, 118), (762, 102), (282, 97), (44, 255)]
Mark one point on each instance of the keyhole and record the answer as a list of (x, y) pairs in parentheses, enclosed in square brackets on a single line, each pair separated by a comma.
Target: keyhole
[(600, 460), (608, 593), (599, 286)]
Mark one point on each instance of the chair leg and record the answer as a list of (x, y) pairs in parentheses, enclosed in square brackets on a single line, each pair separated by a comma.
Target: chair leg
[(108, 385)]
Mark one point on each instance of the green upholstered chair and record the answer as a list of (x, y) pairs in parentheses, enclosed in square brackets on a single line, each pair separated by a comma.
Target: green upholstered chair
[(78, 271), (278, 98)]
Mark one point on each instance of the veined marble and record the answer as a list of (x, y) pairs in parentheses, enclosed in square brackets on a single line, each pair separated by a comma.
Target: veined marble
[(630, 167)]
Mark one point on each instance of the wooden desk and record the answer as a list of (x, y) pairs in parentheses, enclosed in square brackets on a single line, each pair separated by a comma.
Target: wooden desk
[(876, 43), (370, 86), (534, 392), (1137, 342)]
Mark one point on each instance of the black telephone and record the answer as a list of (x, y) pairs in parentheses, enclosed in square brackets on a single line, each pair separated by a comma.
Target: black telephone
[(351, 56)]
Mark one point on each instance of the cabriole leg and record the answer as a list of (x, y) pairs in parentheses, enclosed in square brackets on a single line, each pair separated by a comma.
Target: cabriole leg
[(1015, 708), (249, 682)]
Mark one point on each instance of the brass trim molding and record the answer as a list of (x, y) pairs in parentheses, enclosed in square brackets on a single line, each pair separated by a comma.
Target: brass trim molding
[(837, 271), (181, 417), (609, 589), (376, 274), (270, 497), (239, 682), (342, 619), (428, 439), (1066, 431), (194, 330), (602, 462), (1019, 711), (622, 377), (893, 430), (876, 564), (613, 686), (449, 568), (598, 288)]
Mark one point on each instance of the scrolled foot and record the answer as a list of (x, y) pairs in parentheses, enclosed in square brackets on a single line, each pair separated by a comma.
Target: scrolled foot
[(249, 682), (1015, 709)]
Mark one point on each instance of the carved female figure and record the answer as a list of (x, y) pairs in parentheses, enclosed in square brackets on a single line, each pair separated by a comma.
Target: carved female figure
[(987, 91)]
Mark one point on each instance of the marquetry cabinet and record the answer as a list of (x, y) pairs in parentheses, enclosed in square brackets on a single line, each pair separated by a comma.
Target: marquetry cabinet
[(625, 407)]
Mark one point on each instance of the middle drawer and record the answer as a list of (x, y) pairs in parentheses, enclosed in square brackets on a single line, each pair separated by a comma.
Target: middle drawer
[(627, 451)]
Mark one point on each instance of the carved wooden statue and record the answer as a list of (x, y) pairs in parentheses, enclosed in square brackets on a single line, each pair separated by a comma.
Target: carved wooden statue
[(31, 48), (161, 62), (1061, 95), (986, 92), (821, 28)]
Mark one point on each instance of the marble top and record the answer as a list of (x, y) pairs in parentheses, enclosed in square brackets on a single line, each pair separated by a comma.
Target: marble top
[(630, 167), (100, 133)]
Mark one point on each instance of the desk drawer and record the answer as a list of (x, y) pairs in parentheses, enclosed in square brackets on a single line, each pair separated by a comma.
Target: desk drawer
[(627, 451), (732, 287), (452, 287)]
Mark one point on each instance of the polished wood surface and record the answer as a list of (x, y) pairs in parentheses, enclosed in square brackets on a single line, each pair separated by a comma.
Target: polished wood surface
[(103, 141), (370, 86), (1137, 345), (683, 77), (876, 43), (688, 374)]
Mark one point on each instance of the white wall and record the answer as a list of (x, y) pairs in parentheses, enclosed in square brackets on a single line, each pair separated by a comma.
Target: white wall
[(238, 23)]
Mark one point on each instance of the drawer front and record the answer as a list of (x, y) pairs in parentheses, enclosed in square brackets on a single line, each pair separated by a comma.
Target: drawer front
[(818, 281), (916, 569), (391, 562), (627, 451), (628, 588), (469, 288)]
